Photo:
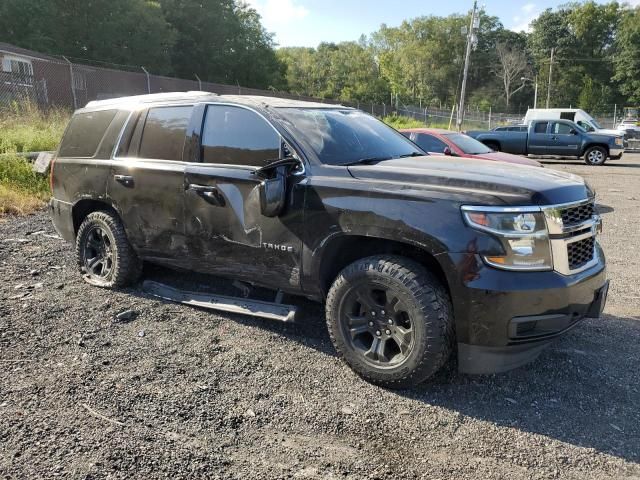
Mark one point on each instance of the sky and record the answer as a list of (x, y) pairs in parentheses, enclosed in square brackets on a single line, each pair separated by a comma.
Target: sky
[(306, 23)]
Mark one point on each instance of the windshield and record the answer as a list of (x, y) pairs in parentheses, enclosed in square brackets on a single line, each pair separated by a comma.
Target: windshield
[(596, 124), (467, 144), (341, 136)]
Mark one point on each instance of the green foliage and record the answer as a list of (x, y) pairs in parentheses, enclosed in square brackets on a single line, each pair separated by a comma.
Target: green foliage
[(16, 172), (27, 129), (627, 61), (398, 122)]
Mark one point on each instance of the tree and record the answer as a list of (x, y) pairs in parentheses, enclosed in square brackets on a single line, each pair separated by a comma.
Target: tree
[(512, 66), (627, 63)]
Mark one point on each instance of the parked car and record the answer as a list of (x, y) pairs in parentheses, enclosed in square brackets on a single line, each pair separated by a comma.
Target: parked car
[(455, 144), (630, 128), (576, 115), (555, 137), (411, 256)]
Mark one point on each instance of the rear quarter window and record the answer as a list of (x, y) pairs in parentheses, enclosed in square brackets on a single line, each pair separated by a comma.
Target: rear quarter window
[(85, 132), (164, 132)]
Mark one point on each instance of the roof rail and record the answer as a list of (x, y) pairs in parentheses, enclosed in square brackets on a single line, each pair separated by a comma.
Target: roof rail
[(152, 97)]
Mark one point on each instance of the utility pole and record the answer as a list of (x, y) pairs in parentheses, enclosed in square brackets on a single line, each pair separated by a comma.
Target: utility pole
[(550, 73), (471, 41), (535, 94)]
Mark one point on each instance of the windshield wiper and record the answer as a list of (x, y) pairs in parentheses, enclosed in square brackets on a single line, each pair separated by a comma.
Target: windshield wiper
[(413, 154), (366, 161)]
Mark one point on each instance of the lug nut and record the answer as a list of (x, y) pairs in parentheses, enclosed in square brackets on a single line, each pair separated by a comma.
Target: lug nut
[(390, 322), (373, 314), (371, 324), (382, 312), (388, 332), (378, 333)]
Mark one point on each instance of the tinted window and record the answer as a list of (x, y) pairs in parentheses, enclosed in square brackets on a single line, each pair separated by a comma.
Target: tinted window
[(238, 136), (467, 144), (562, 128), (341, 136), (541, 127), (429, 143), (84, 133), (164, 133), (586, 126), (517, 129)]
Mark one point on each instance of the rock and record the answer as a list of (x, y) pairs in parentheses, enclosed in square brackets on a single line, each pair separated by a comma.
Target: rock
[(249, 413), (34, 273), (510, 400), (347, 410), (126, 316), (141, 333), (37, 286), (59, 286)]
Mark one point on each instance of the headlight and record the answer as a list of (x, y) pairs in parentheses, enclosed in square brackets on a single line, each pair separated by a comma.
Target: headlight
[(618, 141), (522, 233)]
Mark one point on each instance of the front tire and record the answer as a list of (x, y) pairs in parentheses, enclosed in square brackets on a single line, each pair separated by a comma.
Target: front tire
[(104, 255), (390, 320), (595, 156)]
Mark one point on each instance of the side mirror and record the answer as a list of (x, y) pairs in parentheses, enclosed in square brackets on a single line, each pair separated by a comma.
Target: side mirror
[(273, 192), (447, 151)]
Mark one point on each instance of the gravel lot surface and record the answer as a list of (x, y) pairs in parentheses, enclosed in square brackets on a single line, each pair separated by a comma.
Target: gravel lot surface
[(177, 392)]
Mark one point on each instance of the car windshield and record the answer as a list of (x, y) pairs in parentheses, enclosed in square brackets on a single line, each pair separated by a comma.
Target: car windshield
[(579, 128), (468, 145), (595, 124), (344, 136)]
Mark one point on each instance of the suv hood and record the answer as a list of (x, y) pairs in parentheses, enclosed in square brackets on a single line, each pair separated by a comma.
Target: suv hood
[(608, 132), (509, 184)]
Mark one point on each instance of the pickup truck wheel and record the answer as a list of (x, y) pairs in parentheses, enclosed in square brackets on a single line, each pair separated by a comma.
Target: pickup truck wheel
[(104, 255), (390, 320), (595, 156)]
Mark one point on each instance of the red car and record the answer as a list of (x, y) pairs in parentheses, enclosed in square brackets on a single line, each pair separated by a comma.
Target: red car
[(446, 142)]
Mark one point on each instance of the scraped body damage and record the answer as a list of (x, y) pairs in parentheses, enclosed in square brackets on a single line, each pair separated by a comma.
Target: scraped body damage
[(227, 232)]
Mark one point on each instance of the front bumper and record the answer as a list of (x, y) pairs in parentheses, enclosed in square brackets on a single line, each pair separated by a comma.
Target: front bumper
[(504, 319), (615, 152)]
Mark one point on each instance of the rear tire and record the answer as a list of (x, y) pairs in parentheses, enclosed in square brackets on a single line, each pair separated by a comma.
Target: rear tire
[(103, 252), (595, 156), (390, 320)]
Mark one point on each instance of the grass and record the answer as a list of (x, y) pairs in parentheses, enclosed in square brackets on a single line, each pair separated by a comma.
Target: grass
[(24, 128), (398, 122)]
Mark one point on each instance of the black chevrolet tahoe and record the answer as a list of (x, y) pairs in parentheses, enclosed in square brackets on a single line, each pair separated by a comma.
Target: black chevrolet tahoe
[(414, 256)]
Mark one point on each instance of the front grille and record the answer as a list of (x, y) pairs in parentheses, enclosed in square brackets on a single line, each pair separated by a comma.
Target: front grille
[(577, 214), (580, 253)]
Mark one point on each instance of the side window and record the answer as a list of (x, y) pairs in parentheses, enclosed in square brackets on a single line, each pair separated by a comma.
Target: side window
[(84, 133), (541, 127), (237, 136), (430, 143), (586, 126), (561, 128), (164, 133)]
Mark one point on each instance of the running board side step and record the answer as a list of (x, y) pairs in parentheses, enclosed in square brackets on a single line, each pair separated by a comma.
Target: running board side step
[(222, 303)]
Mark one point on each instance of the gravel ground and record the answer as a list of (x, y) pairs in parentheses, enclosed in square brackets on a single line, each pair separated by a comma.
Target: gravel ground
[(181, 393)]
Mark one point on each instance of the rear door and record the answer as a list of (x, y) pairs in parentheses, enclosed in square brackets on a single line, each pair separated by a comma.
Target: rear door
[(147, 181), (564, 142), (227, 233), (539, 138)]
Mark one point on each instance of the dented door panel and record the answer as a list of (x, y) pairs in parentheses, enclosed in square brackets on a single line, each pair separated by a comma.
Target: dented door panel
[(228, 235)]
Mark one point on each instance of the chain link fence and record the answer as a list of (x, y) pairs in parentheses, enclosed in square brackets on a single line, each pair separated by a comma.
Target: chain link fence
[(50, 81)]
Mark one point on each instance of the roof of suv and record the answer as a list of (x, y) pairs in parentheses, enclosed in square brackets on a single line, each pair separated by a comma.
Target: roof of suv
[(179, 97)]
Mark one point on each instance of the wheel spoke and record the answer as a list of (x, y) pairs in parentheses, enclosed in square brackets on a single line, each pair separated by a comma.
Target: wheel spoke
[(402, 337), (376, 351), (92, 263), (93, 244), (393, 305), (357, 325), (364, 297)]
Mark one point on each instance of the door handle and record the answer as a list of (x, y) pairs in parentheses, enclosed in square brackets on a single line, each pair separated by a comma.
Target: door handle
[(201, 188), (209, 193), (126, 180)]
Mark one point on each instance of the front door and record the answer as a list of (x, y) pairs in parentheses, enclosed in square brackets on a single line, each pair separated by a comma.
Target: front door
[(147, 182), (565, 139), (226, 231)]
